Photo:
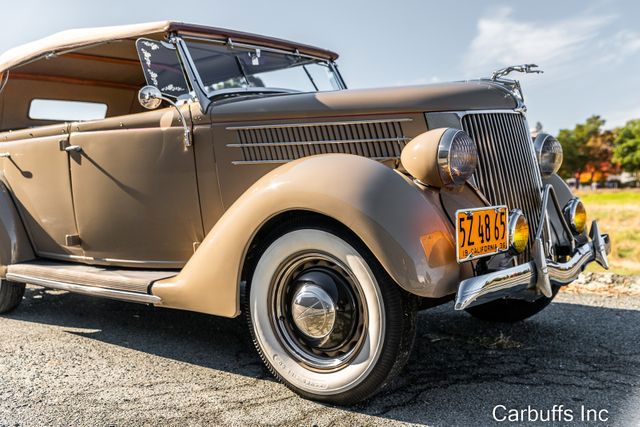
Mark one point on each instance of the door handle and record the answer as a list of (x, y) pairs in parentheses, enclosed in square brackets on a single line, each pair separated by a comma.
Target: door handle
[(73, 148)]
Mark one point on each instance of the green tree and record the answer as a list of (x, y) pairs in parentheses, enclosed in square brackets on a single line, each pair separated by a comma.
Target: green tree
[(585, 147), (627, 146)]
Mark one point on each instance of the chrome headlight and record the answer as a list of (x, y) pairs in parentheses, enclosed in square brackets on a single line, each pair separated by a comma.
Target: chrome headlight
[(457, 157), (549, 154), (444, 157)]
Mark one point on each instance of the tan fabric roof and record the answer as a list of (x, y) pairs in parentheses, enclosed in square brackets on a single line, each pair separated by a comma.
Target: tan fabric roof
[(76, 38)]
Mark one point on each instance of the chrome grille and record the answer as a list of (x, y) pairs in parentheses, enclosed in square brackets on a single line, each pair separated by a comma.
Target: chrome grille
[(507, 171), (281, 143)]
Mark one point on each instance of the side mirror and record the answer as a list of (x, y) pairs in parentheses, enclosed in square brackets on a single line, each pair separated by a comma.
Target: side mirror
[(150, 97)]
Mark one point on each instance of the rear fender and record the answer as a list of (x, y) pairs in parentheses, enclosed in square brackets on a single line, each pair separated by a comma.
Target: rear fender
[(404, 227), (14, 242)]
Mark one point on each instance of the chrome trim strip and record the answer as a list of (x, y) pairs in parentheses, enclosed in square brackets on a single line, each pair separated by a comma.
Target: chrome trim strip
[(324, 142), (192, 75), (86, 290), (230, 42), (259, 162), (463, 113), (169, 264), (460, 114), (310, 124)]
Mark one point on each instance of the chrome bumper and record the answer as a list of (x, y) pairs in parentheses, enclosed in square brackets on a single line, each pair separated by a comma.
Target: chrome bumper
[(534, 276)]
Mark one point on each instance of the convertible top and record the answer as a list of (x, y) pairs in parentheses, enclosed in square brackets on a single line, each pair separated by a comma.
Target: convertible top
[(83, 37)]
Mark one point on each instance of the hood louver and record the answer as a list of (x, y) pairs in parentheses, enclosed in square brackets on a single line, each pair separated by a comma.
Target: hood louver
[(280, 143)]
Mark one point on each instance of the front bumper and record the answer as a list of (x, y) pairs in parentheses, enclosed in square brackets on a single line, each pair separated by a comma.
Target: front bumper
[(535, 277)]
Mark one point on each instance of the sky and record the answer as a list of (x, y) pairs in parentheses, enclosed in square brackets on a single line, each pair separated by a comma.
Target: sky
[(589, 50)]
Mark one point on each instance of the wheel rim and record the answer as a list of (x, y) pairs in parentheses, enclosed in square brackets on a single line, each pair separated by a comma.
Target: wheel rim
[(317, 312)]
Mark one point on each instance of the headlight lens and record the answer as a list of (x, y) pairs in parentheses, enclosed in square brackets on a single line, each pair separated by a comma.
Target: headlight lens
[(518, 231), (576, 215), (549, 153), (457, 157)]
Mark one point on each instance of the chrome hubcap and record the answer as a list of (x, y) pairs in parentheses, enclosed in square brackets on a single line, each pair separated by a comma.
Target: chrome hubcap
[(313, 310), (317, 312)]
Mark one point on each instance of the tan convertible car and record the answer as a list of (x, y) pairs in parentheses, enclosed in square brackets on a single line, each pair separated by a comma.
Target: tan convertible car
[(222, 172)]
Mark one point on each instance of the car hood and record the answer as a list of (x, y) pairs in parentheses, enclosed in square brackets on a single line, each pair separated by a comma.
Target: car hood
[(457, 96)]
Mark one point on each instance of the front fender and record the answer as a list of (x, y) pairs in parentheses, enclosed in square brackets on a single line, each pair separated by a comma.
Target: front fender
[(562, 190), (403, 226)]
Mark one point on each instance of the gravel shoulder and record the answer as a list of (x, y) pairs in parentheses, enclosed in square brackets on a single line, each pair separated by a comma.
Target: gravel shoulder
[(71, 360)]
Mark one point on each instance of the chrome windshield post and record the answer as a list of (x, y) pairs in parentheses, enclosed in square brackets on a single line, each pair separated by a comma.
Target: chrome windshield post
[(336, 72), (191, 72)]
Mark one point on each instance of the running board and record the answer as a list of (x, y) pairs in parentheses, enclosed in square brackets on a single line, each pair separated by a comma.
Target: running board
[(86, 290), (122, 284)]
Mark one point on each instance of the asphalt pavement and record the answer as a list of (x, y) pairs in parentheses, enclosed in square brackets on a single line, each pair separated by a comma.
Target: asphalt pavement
[(67, 359)]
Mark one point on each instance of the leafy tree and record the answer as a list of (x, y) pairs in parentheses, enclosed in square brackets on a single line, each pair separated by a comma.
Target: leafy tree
[(627, 146), (574, 157), (586, 148)]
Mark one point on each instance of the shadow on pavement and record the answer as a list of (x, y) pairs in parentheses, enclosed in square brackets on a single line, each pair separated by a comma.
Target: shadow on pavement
[(461, 368)]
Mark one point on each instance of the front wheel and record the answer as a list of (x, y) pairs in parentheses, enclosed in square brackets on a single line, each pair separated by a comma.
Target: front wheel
[(325, 317)]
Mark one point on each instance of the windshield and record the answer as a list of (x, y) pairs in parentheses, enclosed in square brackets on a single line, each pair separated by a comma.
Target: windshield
[(222, 67)]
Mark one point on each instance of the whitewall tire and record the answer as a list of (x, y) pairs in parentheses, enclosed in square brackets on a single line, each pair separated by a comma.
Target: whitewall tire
[(326, 318)]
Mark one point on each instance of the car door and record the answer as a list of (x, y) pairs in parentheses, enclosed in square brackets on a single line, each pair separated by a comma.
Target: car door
[(36, 169), (135, 190)]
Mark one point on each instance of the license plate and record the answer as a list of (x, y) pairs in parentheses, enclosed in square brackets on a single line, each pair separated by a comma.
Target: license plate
[(481, 232)]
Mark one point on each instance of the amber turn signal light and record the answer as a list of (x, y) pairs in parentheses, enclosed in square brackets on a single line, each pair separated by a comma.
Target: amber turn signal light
[(576, 215), (518, 231)]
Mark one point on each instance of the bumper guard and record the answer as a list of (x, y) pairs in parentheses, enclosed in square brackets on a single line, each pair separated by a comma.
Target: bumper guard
[(537, 275)]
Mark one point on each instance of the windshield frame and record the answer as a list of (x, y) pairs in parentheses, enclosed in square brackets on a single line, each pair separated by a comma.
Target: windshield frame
[(207, 97)]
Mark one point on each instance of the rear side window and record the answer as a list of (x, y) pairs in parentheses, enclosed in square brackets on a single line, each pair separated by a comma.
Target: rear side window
[(67, 111)]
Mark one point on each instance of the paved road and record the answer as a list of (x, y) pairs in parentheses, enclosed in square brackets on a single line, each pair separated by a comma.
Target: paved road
[(71, 360)]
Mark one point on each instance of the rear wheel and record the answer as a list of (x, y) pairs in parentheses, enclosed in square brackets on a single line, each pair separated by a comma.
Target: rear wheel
[(326, 318), (510, 310), (11, 294)]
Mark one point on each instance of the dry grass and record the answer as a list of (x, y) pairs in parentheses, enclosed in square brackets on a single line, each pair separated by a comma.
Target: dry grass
[(618, 213), (501, 341), (609, 284)]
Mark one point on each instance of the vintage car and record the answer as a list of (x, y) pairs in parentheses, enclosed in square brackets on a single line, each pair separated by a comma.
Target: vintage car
[(222, 172)]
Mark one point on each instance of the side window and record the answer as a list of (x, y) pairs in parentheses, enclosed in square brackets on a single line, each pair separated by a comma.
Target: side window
[(66, 111), (161, 67)]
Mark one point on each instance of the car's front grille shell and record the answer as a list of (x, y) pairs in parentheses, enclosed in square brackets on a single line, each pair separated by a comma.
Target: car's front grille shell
[(507, 171)]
